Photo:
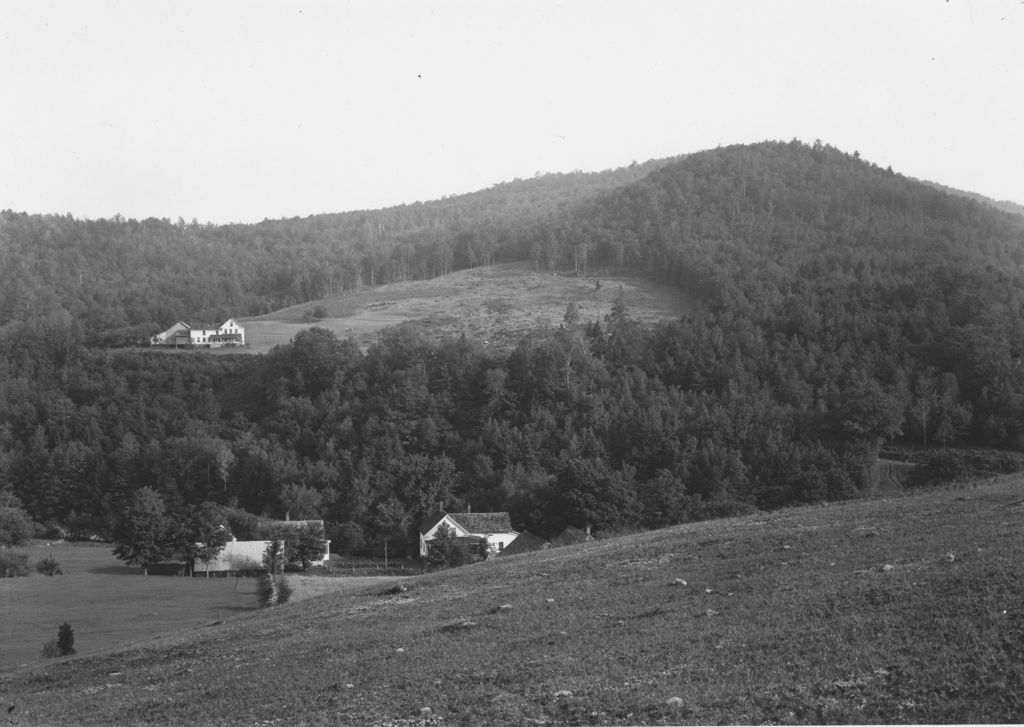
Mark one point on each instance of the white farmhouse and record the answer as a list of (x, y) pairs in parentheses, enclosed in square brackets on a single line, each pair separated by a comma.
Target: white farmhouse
[(229, 333), (495, 526)]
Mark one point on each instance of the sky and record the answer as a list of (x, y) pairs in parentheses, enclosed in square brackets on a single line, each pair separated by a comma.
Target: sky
[(239, 111)]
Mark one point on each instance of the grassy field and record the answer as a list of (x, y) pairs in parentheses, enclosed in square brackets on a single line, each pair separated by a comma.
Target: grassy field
[(497, 304), (109, 604), (902, 610)]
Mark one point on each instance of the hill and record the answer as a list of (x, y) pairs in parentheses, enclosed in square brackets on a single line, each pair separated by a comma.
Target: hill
[(118, 281), (829, 308), (876, 611)]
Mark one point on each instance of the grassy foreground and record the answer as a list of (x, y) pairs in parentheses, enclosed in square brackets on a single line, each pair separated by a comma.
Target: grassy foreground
[(907, 609)]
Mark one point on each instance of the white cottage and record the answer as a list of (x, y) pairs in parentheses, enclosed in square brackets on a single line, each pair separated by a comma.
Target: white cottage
[(495, 526)]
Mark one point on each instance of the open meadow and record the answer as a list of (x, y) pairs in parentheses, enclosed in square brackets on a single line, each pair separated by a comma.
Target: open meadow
[(497, 304), (109, 604), (899, 610)]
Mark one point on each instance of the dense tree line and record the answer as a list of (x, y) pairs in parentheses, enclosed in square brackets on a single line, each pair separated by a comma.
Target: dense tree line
[(844, 307)]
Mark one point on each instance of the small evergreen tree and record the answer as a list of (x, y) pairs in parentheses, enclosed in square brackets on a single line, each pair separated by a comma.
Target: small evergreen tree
[(65, 639), (442, 548)]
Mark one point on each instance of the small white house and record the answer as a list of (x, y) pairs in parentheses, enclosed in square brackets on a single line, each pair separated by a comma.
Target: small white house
[(495, 526), (229, 333)]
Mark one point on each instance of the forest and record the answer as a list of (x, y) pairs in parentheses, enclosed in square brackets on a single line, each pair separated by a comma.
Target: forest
[(845, 308)]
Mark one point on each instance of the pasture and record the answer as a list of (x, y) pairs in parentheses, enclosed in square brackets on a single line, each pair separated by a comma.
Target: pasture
[(495, 304), (109, 604), (899, 610)]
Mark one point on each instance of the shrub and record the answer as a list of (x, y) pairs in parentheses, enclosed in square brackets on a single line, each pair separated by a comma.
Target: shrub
[(940, 467), (316, 313), (16, 527), (49, 566), (274, 590), (66, 639), (13, 563), (63, 645)]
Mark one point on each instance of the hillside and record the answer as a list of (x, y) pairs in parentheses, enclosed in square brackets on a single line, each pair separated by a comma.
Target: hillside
[(118, 281), (495, 304), (785, 311), (902, 610)]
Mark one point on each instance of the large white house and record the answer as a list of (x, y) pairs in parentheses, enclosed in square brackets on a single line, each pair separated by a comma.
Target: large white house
[(229, 333), (495, 526)]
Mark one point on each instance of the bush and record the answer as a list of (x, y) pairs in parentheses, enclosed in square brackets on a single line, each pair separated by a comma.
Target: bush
[(939, 467), (49, 566), (16, 527), (314, 314), (13, 563), (64, 645), (274, 590), (66, 639)]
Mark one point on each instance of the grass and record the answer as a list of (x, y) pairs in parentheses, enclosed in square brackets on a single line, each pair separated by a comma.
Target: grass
[(105, 601), (906, 609), (110, 604), (497, 304)]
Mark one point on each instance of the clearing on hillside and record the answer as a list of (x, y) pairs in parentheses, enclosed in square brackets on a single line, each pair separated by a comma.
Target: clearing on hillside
[(495, 304)]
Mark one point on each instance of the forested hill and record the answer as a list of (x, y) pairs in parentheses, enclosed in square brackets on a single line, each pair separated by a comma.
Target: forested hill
[(705, 220), (846, 307), (118, 281)]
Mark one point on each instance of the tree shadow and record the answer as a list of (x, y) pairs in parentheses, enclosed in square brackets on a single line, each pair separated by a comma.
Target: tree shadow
[(116, 570)]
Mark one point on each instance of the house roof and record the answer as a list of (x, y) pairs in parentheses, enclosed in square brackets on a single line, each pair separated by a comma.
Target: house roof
[(525, 543), (472, 522), (483, 522), (434, 520)]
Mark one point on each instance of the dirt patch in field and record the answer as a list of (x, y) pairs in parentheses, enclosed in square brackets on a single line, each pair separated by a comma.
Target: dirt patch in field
[(494, 305)]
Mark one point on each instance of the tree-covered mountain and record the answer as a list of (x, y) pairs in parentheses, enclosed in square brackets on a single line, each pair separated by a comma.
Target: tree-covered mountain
[(846, 307)]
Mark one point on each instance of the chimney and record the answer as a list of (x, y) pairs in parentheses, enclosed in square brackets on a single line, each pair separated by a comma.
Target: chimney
[(440, 507)]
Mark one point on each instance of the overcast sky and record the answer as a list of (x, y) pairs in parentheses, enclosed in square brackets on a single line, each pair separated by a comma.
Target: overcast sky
[(226, 110)]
